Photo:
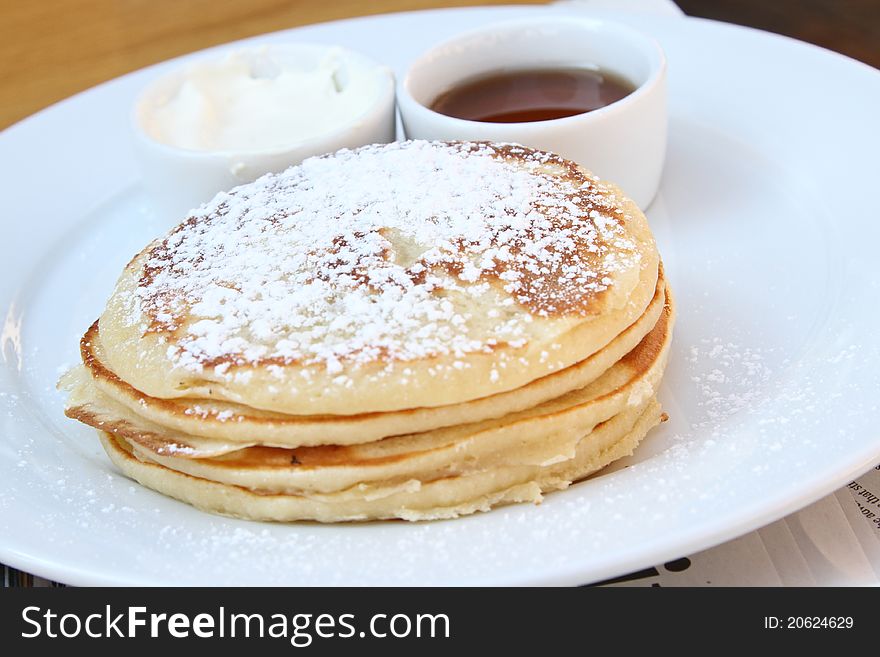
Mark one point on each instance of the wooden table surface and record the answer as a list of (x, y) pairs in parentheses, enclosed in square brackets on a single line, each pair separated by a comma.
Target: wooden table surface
[(51, 49)]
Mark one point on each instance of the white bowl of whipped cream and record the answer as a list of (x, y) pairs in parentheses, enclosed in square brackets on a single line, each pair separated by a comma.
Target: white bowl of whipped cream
[(227, 119)]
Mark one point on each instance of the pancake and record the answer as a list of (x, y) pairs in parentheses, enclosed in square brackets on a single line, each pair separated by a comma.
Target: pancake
[(544, 434), (440, 499), (417, 330), (399, 276), (230, 423)]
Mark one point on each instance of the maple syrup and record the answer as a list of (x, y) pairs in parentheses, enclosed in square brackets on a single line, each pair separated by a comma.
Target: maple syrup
[(532, 95)]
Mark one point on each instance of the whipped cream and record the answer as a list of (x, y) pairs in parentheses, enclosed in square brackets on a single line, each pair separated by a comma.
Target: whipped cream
[(262, 99)]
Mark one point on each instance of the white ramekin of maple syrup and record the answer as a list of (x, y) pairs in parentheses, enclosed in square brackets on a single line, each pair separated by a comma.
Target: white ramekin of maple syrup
[(593, 91)]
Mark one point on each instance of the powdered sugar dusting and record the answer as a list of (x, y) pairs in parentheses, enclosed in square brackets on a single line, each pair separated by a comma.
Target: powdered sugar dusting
[(374, 253), (727, 376)]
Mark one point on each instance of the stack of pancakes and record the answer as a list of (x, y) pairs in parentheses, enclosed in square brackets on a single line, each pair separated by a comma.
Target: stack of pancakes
[(414, 330)]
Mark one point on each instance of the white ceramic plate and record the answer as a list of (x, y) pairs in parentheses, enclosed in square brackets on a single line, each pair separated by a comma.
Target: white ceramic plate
[(767, 219)]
